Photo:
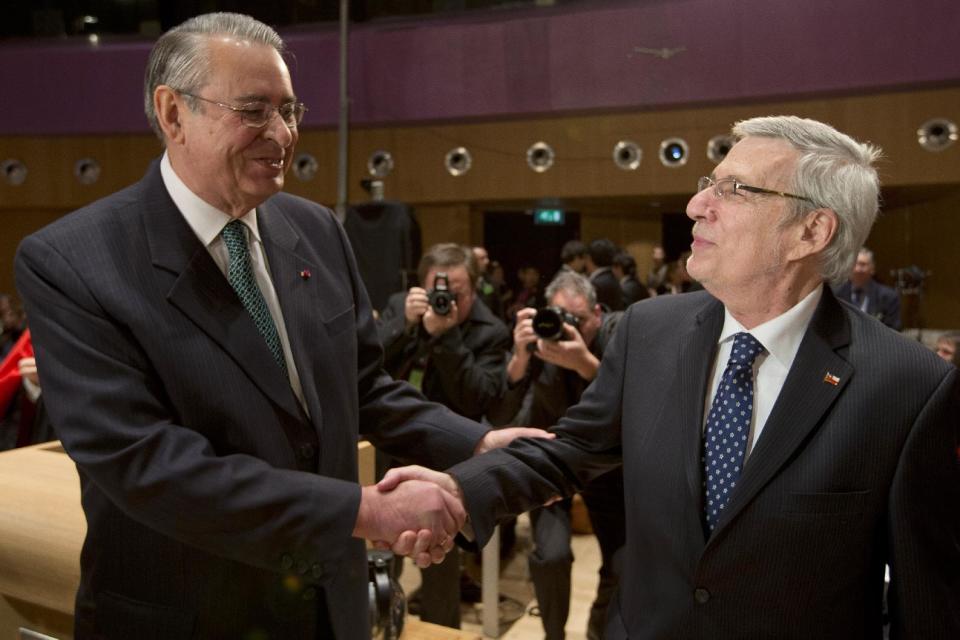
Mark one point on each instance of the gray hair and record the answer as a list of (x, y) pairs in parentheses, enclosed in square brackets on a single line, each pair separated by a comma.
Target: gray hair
[(449, 254), (181, 59), (836, 172), (572, 284)]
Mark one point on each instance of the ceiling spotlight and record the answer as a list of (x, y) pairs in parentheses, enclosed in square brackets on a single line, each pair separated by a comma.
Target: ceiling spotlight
[(86, 170), (674, 152), (627, 155), (458, 161), (719, 146), (13, 171), (540, 156), (380, 164), (937, 134)]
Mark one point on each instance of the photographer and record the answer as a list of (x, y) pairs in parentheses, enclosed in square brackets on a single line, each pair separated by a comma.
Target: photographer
[(556, 355), (462, 347)]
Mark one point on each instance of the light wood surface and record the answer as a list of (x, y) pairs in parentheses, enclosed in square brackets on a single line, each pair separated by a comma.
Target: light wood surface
[(41, 526), (414, 629), (41, 531)]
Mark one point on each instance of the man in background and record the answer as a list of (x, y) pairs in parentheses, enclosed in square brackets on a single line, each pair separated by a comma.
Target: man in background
[(599, 263), (486, 290), (625, 270), (556, 371), (573, 255), (460, 347), (868, 295)]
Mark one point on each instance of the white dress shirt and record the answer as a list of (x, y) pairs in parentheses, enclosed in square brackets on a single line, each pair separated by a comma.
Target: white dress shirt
[(780, 338), (207, 222)]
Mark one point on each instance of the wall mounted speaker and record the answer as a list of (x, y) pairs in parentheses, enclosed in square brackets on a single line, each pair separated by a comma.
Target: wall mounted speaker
[(674, 152), (86, 170), (458, 161), (305, 166), (540, 156), (937, 134), (719, 146), (13, 171), (380, 164), (627, 155)]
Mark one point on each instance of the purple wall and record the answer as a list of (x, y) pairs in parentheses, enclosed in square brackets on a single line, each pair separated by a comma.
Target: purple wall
[(508, 63)]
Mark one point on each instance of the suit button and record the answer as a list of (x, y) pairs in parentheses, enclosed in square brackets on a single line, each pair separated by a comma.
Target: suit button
[(286, 562), (702, 596), (310, 593), (317, 570), (306, 451)]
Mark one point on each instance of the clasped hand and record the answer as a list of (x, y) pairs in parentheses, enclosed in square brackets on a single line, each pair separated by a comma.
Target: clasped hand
[(414, 512), (417, 512)]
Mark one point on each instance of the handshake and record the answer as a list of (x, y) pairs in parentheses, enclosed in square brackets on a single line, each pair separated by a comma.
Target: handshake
[(417, 512)]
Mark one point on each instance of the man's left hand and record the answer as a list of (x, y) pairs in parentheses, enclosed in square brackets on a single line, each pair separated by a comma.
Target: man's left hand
[(497, 438)]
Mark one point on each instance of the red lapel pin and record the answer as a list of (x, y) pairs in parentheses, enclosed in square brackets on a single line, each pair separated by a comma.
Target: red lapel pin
[(305, 274), (831, 379)]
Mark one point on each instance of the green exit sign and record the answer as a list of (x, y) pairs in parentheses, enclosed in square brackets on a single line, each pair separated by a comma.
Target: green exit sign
[(548, 216)]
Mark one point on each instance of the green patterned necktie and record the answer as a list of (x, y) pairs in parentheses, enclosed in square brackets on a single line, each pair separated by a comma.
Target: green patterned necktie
[(241, 278)]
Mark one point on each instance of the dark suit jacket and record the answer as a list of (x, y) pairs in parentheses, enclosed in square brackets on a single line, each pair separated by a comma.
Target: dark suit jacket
[(464, 364), (845, 478), (215, 507), (883, 302), (607, 288), (632, 290)]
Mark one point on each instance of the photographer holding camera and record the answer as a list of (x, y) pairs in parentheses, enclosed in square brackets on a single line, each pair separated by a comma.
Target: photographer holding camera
[(461, 346), (556, 354)]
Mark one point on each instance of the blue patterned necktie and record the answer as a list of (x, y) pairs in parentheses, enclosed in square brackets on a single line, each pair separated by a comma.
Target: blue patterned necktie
[(728, 427), (241, 278)]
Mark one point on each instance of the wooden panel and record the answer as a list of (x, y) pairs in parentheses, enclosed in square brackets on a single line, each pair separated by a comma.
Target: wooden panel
[(583, 144), (924, 234)]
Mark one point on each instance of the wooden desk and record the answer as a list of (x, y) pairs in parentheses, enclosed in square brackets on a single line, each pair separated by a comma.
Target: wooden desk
[(41, 531)]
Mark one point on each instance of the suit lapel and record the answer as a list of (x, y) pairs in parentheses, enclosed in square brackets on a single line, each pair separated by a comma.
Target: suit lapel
[(202, 293), (298, 286), (817, 377), (697, 352)]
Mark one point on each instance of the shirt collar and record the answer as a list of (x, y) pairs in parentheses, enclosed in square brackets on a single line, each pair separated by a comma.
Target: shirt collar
[(780, 336), (206, 220)]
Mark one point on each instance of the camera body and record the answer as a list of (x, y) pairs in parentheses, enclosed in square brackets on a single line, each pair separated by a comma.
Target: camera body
[(440, 297), (549, 321), (388, 604)]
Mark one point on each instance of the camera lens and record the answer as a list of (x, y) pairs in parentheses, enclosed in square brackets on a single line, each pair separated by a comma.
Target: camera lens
[(548, 323), (440, 302)]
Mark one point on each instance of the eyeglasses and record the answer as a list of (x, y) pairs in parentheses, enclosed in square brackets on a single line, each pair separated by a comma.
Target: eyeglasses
[(730, 187), (256, 115)]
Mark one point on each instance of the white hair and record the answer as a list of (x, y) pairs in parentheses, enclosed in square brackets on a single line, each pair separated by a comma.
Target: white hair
[(835, 172)]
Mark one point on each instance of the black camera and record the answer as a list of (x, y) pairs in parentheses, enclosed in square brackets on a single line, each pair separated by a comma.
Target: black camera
[(440, 297), (549, 321), (388, 604)]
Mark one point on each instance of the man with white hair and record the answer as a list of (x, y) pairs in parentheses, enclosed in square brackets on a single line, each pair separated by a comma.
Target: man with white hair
[(779, 448)]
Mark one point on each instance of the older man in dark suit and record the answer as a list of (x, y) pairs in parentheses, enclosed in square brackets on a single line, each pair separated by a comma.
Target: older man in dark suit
[(209, 358), (778, 448)]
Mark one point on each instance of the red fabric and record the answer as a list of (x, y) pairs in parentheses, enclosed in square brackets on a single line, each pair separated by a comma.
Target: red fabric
[(10, 372)]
